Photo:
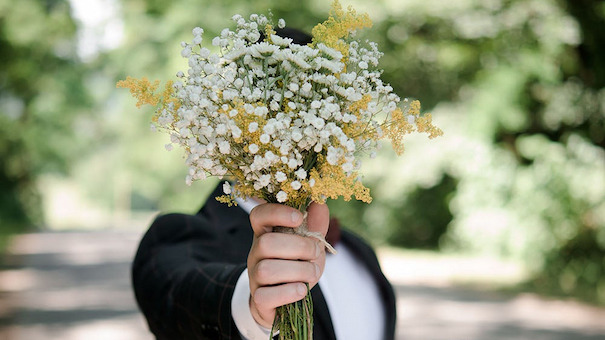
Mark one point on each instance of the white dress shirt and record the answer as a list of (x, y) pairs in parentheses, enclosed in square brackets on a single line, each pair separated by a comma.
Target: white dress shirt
[(349, 289)]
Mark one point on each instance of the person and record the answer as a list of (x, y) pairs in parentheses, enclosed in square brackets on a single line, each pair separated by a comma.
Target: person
[(221, 273)]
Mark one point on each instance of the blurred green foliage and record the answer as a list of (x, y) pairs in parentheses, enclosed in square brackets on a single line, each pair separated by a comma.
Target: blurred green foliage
[(517, 86), (41, 97)]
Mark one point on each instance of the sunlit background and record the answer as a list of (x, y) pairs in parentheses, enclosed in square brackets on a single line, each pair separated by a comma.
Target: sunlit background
[(506, 210)]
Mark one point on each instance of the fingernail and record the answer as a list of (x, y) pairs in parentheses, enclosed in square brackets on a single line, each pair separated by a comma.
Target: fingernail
[(317, 271), (301, 289), (296, 216), (317, 249)]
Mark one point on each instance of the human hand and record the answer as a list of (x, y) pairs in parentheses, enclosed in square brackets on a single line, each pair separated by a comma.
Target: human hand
[(280, 264)]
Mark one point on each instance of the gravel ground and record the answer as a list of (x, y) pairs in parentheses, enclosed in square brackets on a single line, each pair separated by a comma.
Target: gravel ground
[(76, 285)]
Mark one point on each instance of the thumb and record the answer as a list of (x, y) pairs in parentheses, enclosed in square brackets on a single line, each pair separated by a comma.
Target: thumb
[(318, 218)]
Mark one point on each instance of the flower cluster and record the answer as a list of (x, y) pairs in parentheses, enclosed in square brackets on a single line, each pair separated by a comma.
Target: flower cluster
[(288, 122)]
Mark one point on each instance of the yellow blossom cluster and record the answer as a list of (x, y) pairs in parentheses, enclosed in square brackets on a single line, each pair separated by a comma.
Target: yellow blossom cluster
[(339, 25), (145, 93), (142, 89), (398, 126), (331, 182)]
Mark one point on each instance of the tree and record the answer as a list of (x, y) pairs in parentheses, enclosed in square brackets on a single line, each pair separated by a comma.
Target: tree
[(520, 86), (41, 94)]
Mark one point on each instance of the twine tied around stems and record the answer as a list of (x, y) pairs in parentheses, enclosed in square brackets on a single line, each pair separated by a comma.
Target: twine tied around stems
[(303, 230)]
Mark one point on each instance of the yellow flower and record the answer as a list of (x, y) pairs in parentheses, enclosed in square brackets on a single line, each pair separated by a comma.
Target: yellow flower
[(330, 181), (142, 89), (339, 25)]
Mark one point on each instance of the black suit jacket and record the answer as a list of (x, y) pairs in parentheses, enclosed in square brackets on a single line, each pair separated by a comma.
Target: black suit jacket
[(186, 268)]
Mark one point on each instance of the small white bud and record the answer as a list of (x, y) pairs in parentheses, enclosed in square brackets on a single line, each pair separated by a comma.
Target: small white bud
[(227, 188)]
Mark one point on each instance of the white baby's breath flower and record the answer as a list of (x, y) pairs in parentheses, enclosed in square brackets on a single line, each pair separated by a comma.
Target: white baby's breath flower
[(227, 188), (293, 87), (274, 105), (301, 173), (277, 40), (295, 185), (204, 53), (236, 54), (347, 167), (264, 180), (197, 31), (220, 129), (285, 148), (281, 196), (269, 128), (253, 148), (186, 51), (253, 127), (292, 163), (224, 147), (280, 176), (333, 155), (264, 138), (263, 49), (307, 87), (296, 136), (261, 111), (270, 157), (281, 23)]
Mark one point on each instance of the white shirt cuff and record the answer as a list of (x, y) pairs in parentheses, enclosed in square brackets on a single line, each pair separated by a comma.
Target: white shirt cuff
[(248, 328)]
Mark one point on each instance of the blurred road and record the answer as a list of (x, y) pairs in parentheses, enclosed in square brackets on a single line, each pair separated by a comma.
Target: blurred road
[(76, 285)]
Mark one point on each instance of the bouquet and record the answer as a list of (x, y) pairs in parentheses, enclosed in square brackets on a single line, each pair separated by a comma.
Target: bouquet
[(287, 123)]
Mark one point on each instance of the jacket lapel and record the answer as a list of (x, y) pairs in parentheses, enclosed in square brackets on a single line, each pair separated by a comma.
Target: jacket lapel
[(322, 327)]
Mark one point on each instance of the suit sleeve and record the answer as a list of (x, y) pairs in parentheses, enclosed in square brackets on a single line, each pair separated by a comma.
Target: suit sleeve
[(182, 280)]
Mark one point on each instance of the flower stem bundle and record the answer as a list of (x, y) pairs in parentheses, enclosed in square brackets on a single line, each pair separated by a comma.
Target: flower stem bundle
[(295, 320), (286, 122)]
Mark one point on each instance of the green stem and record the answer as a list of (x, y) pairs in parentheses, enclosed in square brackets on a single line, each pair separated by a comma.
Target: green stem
[(294, 321)]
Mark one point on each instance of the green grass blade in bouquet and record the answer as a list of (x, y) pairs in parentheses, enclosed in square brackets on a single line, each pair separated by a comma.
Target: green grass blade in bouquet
[(287, 123)]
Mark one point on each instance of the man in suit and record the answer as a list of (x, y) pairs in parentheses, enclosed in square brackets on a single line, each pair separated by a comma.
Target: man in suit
[(220, 274), (187, 268)]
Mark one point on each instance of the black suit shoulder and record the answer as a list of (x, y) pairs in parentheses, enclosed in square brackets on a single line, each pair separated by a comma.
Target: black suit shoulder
[(184, 274)]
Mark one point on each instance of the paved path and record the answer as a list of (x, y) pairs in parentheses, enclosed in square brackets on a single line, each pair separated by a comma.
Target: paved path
[(76, 286)]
